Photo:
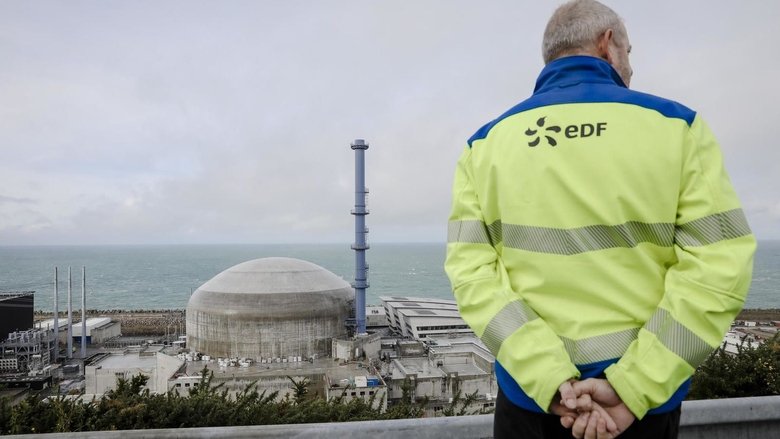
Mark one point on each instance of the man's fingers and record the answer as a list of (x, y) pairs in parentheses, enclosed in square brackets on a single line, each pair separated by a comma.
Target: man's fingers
[(601, 430), (585, 386), (556, 408), (584, 403), (611, 425), (604, 415), (580, 424), (568, 395), (567, 421), (591, 430)]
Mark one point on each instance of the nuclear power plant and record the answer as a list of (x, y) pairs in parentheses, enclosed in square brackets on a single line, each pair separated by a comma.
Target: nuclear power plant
[(269, 321), (283, 307), (266, 319)]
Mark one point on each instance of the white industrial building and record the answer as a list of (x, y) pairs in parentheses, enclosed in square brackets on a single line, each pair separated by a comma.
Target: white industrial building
[(102, 370), (99, 329), (419, 318), (441, 367), (347, 383), (375, 316)]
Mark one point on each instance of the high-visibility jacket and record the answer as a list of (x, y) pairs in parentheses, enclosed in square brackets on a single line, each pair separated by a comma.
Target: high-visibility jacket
[(595, 231)]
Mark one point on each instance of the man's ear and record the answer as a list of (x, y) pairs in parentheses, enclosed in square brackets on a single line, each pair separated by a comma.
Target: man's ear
[(602, 45)]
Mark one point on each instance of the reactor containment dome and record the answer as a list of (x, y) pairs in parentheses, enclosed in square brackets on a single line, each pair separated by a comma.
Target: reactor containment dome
[(269, 308)]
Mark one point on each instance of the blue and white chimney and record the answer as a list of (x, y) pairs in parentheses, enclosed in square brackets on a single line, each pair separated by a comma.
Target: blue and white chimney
[(361, 232)]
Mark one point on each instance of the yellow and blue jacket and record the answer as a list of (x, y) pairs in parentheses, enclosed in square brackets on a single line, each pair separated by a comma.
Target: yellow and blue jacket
[(594, 231)]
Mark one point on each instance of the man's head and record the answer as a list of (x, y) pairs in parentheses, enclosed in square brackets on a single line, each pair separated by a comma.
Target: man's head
[(587, 27)]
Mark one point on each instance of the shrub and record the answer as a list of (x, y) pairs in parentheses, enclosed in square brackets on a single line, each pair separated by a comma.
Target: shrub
[(751, 372)]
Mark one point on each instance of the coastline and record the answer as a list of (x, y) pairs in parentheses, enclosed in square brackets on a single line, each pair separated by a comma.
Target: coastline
[(150, 322)]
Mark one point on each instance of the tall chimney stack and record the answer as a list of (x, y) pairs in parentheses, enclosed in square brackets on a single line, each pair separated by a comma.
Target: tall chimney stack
[(361, 231), (69, 354), (56, 315), (83, 312)]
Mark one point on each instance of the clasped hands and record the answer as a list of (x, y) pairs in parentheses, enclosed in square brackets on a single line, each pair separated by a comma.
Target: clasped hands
[(591, 409)]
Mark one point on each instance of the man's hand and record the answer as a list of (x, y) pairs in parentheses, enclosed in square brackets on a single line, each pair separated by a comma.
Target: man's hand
[(571, 406), (603, 399)]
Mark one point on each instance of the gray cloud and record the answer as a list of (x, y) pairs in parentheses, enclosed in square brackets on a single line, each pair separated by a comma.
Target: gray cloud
[(190, 122), (16, 200)]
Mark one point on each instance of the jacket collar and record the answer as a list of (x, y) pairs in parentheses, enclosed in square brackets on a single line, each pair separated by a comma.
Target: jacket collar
[(573, 70)]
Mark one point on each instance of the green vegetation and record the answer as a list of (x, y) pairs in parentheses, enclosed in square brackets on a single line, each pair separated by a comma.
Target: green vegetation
[(131, 406), (751, 372)]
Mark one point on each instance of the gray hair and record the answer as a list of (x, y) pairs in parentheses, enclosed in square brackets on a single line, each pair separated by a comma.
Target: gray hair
[(576, 26)]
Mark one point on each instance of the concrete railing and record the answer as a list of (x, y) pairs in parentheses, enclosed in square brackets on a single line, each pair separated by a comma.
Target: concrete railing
[(736, 418)]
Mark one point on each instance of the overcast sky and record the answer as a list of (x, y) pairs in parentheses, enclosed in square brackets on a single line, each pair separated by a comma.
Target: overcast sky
[(133, 122)]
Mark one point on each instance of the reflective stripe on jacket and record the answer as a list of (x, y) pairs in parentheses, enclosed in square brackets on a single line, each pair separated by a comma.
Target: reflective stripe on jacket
[(592, 224)]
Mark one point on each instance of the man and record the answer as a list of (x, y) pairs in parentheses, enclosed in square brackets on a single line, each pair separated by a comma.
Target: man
[(595, 243)]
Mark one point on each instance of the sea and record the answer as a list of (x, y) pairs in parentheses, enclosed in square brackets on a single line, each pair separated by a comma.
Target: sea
[(135, 277)]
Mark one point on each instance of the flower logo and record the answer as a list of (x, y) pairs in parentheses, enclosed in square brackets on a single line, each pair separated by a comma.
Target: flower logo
[(540, 123)]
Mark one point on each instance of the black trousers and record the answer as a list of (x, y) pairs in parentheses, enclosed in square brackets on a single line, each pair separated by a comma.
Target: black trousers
[(513, 422)]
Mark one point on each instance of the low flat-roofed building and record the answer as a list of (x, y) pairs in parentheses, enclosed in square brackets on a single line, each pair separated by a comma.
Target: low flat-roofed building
[(102, 370), (463, 349), (440, 383), (422, 317), (62, 323), (442, 367), (375, 316), (423, 376), (270, 375), (422, 323), (354, 381), (392, 304), (38, 382), (99, 329)]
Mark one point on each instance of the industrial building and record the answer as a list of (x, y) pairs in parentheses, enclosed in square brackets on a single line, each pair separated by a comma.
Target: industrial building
[(349, 384), (269, 308), (101, 371), (16, 312), (420, 317), (440, 369), (99, 329), (376, 317), (27, 351), (275, 322)]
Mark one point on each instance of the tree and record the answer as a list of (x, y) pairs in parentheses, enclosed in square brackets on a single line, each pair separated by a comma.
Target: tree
[(753, 371), (465, 403), (5, 416), (300, 388)]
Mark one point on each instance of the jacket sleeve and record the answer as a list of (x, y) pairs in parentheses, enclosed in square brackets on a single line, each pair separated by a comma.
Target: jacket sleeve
[(704, 290), (520, 340)]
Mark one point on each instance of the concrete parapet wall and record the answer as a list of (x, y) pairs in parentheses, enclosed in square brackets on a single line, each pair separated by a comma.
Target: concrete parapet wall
[(737, 418)]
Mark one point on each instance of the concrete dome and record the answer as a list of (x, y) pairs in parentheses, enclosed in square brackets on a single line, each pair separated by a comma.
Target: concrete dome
[(269, 308)]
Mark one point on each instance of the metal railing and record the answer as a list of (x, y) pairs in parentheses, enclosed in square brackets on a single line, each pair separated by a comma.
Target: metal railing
[(736, 418)]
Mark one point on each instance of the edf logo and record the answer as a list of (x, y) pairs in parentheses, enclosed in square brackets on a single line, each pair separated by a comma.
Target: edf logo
[(570, 131)]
